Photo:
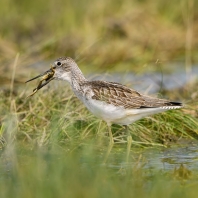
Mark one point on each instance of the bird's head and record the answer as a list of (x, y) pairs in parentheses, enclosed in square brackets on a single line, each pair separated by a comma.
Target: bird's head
[(60, 69)]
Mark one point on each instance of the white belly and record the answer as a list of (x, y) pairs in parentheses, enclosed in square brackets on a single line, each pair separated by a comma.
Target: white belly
[(119, 115), (105, 111)]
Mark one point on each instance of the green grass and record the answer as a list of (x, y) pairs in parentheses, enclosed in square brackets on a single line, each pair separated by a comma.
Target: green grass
[(43, 117)]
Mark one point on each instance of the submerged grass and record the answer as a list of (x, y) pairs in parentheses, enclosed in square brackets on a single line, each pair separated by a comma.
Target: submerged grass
[(57, 160), (44, 173)]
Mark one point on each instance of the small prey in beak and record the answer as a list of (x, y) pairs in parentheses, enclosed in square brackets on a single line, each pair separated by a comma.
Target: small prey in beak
[(46, 76)]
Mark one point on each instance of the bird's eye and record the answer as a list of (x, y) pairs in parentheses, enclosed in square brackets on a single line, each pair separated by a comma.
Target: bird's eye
[(59, 63)]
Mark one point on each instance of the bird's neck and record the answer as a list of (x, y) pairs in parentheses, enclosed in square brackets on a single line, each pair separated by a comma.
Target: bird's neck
[(77, 78)]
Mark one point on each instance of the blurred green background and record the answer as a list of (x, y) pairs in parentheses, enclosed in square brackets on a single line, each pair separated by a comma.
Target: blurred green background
[(118, 35)]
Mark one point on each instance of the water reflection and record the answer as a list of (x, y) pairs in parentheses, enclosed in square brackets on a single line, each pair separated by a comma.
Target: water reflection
[(151, 82), (160, 158)]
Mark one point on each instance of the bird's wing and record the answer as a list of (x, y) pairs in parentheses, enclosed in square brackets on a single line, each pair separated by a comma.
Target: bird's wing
[(120, 95)]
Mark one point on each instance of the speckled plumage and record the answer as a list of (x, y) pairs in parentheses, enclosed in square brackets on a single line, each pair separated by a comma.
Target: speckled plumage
[(110, 101), (120, 95)]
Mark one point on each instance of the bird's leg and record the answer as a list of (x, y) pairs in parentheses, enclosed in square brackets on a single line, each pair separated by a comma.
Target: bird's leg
[(110, 134), (111, 142), (129, 142)]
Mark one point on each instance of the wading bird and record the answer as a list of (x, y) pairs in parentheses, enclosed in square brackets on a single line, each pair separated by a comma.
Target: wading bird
[(110, 101)]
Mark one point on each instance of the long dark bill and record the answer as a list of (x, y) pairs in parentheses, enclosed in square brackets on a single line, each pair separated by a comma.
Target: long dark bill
[(39, 76), (46, 76)]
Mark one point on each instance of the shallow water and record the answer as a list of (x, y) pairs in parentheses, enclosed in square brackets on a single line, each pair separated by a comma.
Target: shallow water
[(169, 158), (166, 159), (152, 82)]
